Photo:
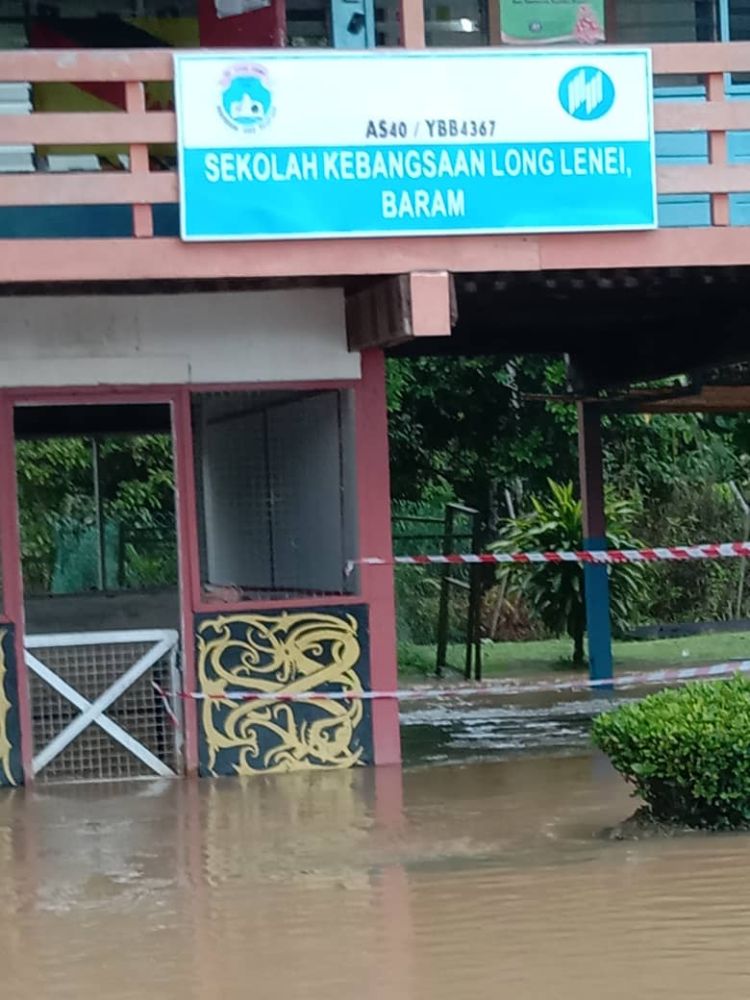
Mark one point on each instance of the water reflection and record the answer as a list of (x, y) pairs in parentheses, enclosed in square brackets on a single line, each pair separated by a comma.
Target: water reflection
[(468, 880), (477, 728)]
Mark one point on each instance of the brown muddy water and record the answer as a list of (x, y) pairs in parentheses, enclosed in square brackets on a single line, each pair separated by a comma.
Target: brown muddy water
[(476, 872)]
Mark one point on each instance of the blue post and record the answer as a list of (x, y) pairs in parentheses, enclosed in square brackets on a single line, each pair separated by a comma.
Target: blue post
[(598, 627), (353, 24), (596, 578)]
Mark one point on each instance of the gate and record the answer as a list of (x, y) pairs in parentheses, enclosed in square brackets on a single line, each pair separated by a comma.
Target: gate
[(96, 709), (456, 528)]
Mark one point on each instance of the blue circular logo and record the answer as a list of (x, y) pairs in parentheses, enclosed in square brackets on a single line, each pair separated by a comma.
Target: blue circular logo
[(586, 93), (246, 101)]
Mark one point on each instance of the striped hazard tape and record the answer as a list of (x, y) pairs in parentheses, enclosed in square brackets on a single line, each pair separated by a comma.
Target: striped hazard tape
[(665, 677), (166, 699), (672, 553)]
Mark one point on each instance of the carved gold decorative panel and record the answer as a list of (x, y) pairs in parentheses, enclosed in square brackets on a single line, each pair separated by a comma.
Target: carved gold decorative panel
[(10, 736), (285, 652)]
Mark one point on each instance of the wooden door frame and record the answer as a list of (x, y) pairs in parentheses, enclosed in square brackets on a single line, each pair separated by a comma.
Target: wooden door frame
[(177, 397)]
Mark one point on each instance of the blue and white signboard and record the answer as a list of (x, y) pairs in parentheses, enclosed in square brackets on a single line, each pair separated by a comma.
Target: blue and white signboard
[(295, 145)]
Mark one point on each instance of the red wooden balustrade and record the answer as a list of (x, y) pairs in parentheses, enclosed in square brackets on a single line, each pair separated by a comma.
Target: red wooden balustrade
[(135, 129)]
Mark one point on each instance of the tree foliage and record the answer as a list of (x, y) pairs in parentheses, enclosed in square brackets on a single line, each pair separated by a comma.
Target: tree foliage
[(464, 429), (55, 487), (463, 426), (460, 428)]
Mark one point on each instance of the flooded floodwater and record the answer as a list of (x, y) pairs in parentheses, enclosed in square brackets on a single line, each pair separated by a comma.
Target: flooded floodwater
[(477, 875), (483, 728)]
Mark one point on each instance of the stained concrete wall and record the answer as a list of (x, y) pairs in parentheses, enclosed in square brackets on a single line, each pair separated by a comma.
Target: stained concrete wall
[(98, 612), (208, 337)]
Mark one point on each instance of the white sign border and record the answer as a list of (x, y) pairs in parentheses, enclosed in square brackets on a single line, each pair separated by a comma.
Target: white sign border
[(231, 55)]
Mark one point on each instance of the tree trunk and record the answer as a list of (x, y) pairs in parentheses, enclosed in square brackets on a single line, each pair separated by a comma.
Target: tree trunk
[(576, 634)]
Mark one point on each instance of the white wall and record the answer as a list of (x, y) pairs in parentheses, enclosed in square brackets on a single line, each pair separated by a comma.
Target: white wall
[(95, 612), (204, 337)]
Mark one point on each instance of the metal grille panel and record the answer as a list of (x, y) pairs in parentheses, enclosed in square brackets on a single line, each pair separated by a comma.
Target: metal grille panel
[(92, 669)]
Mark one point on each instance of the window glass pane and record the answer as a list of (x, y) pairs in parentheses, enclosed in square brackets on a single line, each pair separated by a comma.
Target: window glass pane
[(456, 23), (666, 21), (308, 23), (739, 20), (639, 21), (738, 30)]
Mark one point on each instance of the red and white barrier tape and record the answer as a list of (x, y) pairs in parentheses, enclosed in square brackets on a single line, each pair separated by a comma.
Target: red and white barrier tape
[(672, 553), (166, 702), (677, 675)]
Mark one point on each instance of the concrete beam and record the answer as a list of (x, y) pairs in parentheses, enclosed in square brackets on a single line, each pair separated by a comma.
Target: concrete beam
[(396, 310)]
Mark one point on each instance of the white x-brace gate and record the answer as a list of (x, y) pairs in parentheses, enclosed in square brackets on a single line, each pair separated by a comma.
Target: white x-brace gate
[(163, 644)]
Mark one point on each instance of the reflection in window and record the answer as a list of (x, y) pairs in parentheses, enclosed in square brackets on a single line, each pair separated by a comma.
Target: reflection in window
[(739, 21), (640, 21), (448, 23), (457, 23)]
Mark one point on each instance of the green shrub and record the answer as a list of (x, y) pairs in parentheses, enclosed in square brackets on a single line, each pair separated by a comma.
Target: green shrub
[(554, 593), (686, 752)]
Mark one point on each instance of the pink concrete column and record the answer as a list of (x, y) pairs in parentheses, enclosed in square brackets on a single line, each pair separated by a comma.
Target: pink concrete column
[(374, 508), (411, 14), (12, 574)]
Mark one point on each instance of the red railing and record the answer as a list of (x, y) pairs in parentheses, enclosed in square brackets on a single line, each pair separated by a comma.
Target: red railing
[(715, 116), (135, 129)]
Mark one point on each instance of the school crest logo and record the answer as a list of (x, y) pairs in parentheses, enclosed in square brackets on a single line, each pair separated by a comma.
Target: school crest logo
[(246, 100)]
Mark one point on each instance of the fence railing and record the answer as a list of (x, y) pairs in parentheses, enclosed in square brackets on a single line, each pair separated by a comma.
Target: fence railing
[(715, 108), (456, 527)]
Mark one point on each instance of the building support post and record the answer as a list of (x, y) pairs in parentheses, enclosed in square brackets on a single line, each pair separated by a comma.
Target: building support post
[(411, 18), (596, 578), (377, 583)]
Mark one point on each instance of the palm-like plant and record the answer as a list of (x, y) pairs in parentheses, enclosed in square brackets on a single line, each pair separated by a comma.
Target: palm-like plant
[(554, 592)]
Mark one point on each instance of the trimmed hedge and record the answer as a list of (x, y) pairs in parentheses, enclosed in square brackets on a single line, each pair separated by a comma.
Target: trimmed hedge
[(686, 752)]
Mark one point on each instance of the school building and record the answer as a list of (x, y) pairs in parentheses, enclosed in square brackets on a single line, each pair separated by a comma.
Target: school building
[(218, 309)]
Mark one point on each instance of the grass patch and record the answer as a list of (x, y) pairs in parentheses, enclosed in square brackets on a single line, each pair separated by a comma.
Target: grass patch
[(523, 659)]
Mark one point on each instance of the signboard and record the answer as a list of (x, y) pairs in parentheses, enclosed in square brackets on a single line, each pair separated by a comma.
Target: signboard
[(300, 145), (524, 22)]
